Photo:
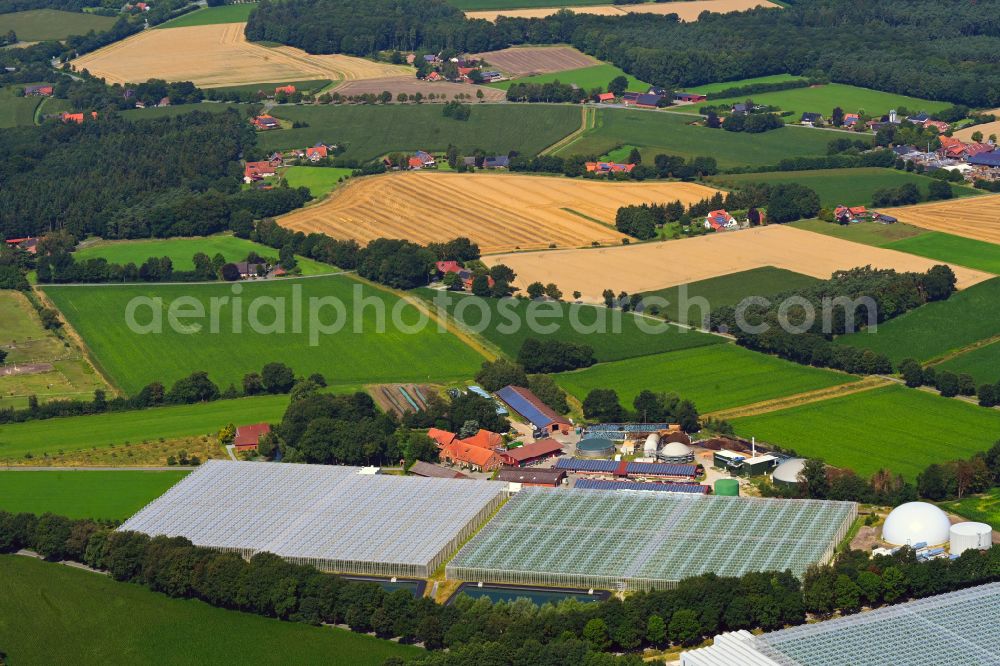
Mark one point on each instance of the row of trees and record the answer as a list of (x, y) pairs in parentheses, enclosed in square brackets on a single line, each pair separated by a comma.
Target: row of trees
[(494, 375), (948, 383), (663, 166), (604, 405)]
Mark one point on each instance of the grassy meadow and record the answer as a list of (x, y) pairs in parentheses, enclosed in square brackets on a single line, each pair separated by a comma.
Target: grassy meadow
[(16, 111), (655, 132), (371, 131), (100, 621), (182, 250), (714, 378), (310, 85), (343, 342), (850, 187), (319, 180), (895, 427), (984, 508), (211, 16), (935, 329), (953, 249), (728, 290), (822, 99), (866, 233), (103, 495), (38, 25), (631, 340), (78, 433), (719, 86), (178, 109), (982, 364), (587, 78)]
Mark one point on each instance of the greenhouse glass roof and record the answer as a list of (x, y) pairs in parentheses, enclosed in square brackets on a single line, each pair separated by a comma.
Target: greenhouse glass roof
[(647, 539), (319, 512)]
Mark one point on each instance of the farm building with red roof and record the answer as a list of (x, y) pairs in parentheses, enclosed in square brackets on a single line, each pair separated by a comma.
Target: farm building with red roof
[(248, 437), (530, 407), (531, 454)]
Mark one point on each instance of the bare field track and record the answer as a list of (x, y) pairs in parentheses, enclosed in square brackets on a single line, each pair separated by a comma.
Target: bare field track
[(410, 85), (531, 60), (651, 266), (975, 217), (686, 11), (500, 212), (219, 55)]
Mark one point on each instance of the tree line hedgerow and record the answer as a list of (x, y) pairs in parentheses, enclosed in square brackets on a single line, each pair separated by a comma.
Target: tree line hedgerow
[(571, 633)]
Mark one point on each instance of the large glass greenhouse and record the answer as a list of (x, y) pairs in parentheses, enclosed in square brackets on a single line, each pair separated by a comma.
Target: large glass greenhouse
[(641, 540), (334, 518), (955, 628)]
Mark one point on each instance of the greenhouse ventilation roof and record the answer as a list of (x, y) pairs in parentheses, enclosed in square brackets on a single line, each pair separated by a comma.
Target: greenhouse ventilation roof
[(954, 628), (610, 539), (328, 516)]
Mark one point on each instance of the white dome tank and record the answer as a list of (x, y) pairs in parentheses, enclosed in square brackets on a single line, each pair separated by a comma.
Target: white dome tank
[(970, 536), (676, 452), (651, 445), (916, 522), (789, 470)]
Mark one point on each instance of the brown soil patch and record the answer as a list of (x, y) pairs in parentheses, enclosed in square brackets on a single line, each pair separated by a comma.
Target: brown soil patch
[(220, 55), (531, 60), (974, 217), (651, 266), (500, 212), (390, 398), (25, 369), (444, 90), (686, 11)]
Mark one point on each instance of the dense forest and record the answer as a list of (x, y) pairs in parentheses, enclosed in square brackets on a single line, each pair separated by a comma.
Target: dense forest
[(924, 48)]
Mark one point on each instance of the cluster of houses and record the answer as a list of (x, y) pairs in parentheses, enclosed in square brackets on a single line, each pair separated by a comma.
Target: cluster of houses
[(28, 244), (602, 168), (974, 160), (722, 220), (854, 214), (424, 160), (486, 452), (258, 171), (463, 274), (43, 90), (654, 98), (462, 72)]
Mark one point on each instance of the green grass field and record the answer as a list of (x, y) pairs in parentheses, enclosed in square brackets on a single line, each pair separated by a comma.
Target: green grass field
[(850, 187), (102, 495), (38, 25), (629, 342), (311, 85), (935, 329), (727, 290), (357, 352), (211, 16), (822, 99), (723, 85), (178, 109), (319, 180), (670, 133), (91, 619), (866, 233), (983, 508), (77, 433), (586, 78), (16, 111), (182, 250), (714, 378), (897, 428), (983, 364), (371, 131), (953, 249)]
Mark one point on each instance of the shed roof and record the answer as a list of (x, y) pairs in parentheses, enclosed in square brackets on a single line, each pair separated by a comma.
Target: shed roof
[(528, 405), (542, 447), (531, 475)]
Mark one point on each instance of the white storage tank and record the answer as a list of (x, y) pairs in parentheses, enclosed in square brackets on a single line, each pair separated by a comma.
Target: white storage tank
[(970, 536), (676, 453), (651, 445)]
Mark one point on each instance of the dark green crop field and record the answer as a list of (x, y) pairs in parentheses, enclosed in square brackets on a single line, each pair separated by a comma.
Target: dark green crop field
[(54, 614)]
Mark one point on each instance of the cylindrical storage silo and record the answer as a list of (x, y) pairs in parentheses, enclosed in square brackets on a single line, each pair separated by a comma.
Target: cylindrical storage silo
[(727, 487), (970, 536), (651, 445), (596, 447)]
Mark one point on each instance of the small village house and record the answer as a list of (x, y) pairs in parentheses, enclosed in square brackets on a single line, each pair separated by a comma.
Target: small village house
[(265, 122), (248, 437), (601, 168), (470, 456), (690, 97), (721, 220), (38, 91), (288, 90), (254, 171)]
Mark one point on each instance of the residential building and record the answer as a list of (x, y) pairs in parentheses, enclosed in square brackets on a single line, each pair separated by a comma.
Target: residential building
[(40, 91), (317, 153), (29, 244), (254, 171), (531, 454), (288, 90), (608, 167), (249, 270), (721, 220), (606, 98), (471, 456), (247, 437), (689, 97), (266, 122), (811, 119)]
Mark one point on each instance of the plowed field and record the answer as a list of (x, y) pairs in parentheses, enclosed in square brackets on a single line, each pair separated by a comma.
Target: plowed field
[(500, 212), (526, 61), (686, 11), (219, 55), (651, 266), (978, 217)]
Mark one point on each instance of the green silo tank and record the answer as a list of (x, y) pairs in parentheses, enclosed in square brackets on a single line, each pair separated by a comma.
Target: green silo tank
[(727, 487)]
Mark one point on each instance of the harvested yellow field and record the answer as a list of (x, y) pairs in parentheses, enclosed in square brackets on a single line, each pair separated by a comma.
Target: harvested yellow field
[(975, 217), (987, 129), (651, 266), (686, 11), (500, 212), (219, 55)]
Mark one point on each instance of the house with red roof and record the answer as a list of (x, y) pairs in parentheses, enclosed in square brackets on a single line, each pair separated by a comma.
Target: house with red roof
[(76, 117), (441, 437), (721, 220), (28, 244), (940, 126), (254, 171), (248, 437), (316, 153), (470, 456), (288, 90), (608, 167), (38, 91), (485, 439), (531, 454), (606, 98), (265, 122), (445, 267), (851, 119), (848, 214)]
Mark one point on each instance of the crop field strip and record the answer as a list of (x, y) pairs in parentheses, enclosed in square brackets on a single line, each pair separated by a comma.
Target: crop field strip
[(716, 377), (977, 218), (219, 55), (935, 329), (529, 60), (652, 266), (586, 78), (37, 25), (686, 11), (350, 356), (960, 250), (101, 621), (500, 212), (895, 428), (411, 86), (566, 538), (981, 363)]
